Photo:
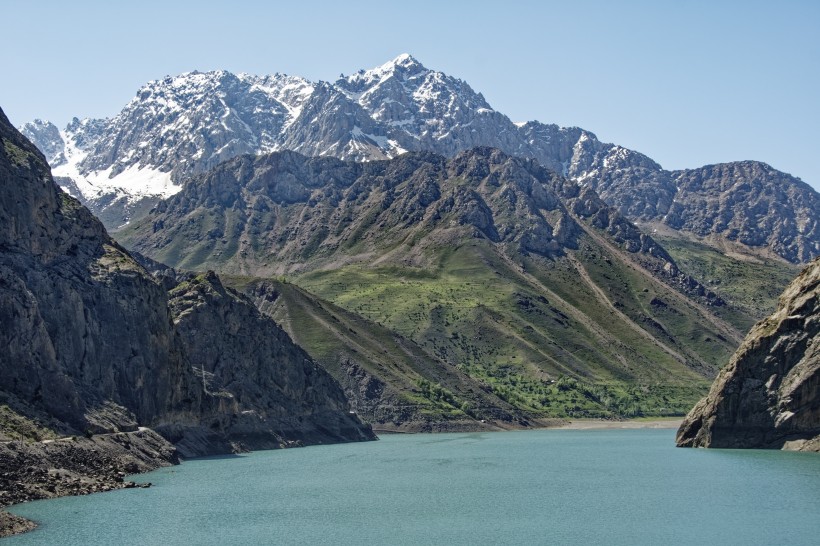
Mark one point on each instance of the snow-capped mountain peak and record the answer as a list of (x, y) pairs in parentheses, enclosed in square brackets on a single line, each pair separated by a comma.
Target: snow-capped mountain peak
[(425, 105), (403, 67), (183, 125)]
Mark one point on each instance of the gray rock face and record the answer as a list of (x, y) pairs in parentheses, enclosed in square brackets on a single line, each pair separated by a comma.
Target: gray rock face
[(330, 124), (768, 396), (260, 386), (187, 124), (751, 203), (91, 341), (192, 122)]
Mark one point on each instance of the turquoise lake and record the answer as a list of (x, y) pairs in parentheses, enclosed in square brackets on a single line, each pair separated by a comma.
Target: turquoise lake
[(530, 487)]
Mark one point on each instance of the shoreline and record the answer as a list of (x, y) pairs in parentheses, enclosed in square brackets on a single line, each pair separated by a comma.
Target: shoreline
[(74, 466), (602, 424), (11, 524), (536, 424)]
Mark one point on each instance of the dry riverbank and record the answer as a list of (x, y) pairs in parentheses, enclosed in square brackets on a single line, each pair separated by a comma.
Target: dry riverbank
[(592, 424)]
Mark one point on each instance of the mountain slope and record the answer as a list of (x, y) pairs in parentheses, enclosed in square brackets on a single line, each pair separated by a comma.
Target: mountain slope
[(750, 283), (186, 124), (493, 264), (392, 382), (769, 394)]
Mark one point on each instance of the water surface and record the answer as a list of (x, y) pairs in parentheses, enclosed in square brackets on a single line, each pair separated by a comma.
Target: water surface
[(530, 487)]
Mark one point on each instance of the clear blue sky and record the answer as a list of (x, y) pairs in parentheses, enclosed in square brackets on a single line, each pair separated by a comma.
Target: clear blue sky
[(686, 82)]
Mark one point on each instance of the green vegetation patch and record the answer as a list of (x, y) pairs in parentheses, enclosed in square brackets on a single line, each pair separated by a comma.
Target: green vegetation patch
[(514, 326), (15, 427), (16, 155), (752, 285)]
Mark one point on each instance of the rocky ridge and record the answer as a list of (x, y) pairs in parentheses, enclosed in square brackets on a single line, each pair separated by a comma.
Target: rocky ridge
[(768, 396), (186, 124), (285, 212)]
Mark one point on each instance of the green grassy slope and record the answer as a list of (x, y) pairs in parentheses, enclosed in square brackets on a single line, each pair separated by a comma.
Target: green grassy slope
[(752, 285), (391, 381), (519, 329)]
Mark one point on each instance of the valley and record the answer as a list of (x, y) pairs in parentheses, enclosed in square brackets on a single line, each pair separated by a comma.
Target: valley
[(484, 287), (229, 231), (572, 312)]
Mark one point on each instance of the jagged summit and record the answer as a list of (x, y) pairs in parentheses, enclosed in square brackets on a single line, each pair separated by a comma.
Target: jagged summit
[(48, 139), (182, 125), (402, 66), (405, 59)]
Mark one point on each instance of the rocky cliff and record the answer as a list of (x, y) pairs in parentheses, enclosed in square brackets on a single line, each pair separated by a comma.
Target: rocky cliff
[(94, 345), (261, 390), (86, 328), (768, 396)]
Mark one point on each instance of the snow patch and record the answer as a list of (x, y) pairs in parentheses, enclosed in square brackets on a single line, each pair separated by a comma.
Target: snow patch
[(398, 150), (135, 181), (380, 141)]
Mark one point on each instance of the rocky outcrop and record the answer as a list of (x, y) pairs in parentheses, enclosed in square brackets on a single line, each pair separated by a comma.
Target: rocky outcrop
[(768, 396), (92, 344), (79, 465), (75, 465), (262, 390)]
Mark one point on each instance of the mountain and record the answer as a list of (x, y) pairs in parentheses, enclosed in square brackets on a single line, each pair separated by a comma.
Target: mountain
[(95, 346), (186, 124), (493, 265), (769, 394), (89, 326)]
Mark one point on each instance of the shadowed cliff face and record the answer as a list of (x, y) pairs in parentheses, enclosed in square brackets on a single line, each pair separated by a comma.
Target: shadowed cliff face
[(258, 386), (769, 394), (82, 322), (91, 343)]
